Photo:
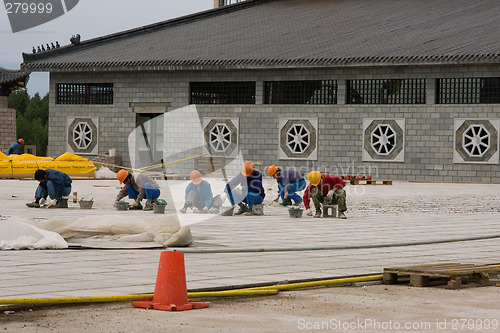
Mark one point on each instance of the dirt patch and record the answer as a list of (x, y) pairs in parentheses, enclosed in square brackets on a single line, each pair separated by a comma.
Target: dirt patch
[(366, 308)]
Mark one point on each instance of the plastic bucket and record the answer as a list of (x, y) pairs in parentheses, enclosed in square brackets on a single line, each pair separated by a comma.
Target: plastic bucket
[(295, 212), (86, 204), (122, 205), (159, 209)]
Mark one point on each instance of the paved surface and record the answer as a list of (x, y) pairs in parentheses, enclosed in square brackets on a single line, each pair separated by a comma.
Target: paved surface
[(384, 225)]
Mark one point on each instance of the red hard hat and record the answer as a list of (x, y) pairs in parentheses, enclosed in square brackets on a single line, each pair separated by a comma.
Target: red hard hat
[(195, 177), (248, 168), (21, 141), (122, 175)]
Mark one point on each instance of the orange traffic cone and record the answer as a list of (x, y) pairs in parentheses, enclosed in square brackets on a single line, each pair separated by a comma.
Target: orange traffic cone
[(170, 289)]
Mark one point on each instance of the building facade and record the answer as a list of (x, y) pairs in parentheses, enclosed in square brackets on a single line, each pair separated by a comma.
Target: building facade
[(361, 100)]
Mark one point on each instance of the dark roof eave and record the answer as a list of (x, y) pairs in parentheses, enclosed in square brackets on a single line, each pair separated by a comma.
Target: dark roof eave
[(197, 65)]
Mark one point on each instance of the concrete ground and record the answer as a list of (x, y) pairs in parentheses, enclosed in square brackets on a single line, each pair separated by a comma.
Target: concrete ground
[(387, 225)]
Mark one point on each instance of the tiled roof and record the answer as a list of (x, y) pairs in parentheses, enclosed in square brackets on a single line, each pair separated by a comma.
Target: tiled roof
[(289, 33), (12, 76)]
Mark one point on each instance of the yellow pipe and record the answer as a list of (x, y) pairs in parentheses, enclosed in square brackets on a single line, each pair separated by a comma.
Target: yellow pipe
[(320, 283), (126, 298)]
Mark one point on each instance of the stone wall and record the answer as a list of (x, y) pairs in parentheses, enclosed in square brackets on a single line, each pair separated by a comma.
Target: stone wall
[(429, 133), (7, 125)]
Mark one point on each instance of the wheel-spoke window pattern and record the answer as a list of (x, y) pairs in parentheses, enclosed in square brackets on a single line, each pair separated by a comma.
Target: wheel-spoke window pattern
[(380, 91), (84, 93), (383, 139), (82, 135), (220, 137), (222, 93), (300, 92), (298, 139), (468, 90), (476, 140)]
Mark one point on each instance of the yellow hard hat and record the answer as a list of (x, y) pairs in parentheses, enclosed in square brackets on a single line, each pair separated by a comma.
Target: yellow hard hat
[(314, 177), (122, 175)]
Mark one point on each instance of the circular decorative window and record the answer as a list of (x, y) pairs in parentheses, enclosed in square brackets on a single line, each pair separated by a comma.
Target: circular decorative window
[(220, 137), (476, 140), (383, 139), (82, 135), (298, 138)]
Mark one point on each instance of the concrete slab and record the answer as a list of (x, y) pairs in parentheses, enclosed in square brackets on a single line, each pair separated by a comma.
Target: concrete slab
[(403, 224)]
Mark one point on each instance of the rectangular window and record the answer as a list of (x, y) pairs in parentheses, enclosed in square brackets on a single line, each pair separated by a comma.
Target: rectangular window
[(222, 93), (84, 93), (468, 90), (300, 92), (383, 91)]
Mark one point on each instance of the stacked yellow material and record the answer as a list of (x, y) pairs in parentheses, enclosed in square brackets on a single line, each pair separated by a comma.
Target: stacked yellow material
[(24, 166)]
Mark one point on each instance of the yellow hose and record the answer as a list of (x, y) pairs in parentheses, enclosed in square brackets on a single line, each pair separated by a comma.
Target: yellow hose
[(139, 297)]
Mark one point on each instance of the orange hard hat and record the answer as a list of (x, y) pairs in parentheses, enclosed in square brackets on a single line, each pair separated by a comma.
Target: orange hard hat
[(195, 177), (314, 177), (21, 141), (122, 175), (248, 168), (272, 170)]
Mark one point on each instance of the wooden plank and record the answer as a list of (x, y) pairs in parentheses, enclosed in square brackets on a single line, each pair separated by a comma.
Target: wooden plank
[(370, 182)]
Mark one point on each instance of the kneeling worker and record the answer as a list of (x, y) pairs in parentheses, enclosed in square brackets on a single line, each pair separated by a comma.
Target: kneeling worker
[(139, 186), (326, 190), (52, 183), (199, 196), (252, 191), (289, 181)]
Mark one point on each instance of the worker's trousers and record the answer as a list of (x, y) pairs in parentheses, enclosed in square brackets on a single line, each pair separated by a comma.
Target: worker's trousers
[(292, 188), (251, 198), (193, 199), (339, 199), (50, 190), (152, 192)]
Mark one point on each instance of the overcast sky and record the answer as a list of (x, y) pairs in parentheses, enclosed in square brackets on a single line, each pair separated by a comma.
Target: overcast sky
[(90, 19)]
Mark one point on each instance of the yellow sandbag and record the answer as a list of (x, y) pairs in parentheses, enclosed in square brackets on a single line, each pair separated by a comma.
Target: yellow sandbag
[(5, 169), (29, 157), (79, 169), (70, 157), (24, 166)]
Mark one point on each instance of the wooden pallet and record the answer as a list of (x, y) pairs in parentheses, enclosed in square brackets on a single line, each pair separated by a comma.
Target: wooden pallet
[(451, 273), (370, 182)]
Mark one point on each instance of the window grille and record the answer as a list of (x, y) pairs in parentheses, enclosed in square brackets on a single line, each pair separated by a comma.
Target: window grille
[(468, 90), (382, 91), (222, 93), (300, 92), (84, 93)]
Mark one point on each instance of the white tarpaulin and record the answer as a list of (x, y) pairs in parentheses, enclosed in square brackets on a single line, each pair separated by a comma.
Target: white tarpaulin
[(17, 235), (162, 229)]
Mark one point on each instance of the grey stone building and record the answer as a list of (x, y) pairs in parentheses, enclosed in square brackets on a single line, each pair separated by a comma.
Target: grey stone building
[(10, 80), (396, 89)]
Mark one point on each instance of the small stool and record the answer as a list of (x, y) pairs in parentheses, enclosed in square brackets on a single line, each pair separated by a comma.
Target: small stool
[(258, 209), (332, 208)]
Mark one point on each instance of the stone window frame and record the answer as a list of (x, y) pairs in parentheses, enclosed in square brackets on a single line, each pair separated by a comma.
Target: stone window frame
[(397, 153), (460, 152)]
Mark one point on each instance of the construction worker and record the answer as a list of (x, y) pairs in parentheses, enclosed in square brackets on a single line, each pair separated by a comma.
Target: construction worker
[(14, 148), (199, 196), (252, 191), (138, 187), (52, 183), (289, 181), (326, 190)]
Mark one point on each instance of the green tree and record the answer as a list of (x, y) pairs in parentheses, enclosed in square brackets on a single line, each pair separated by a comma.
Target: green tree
[(32, 119)]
